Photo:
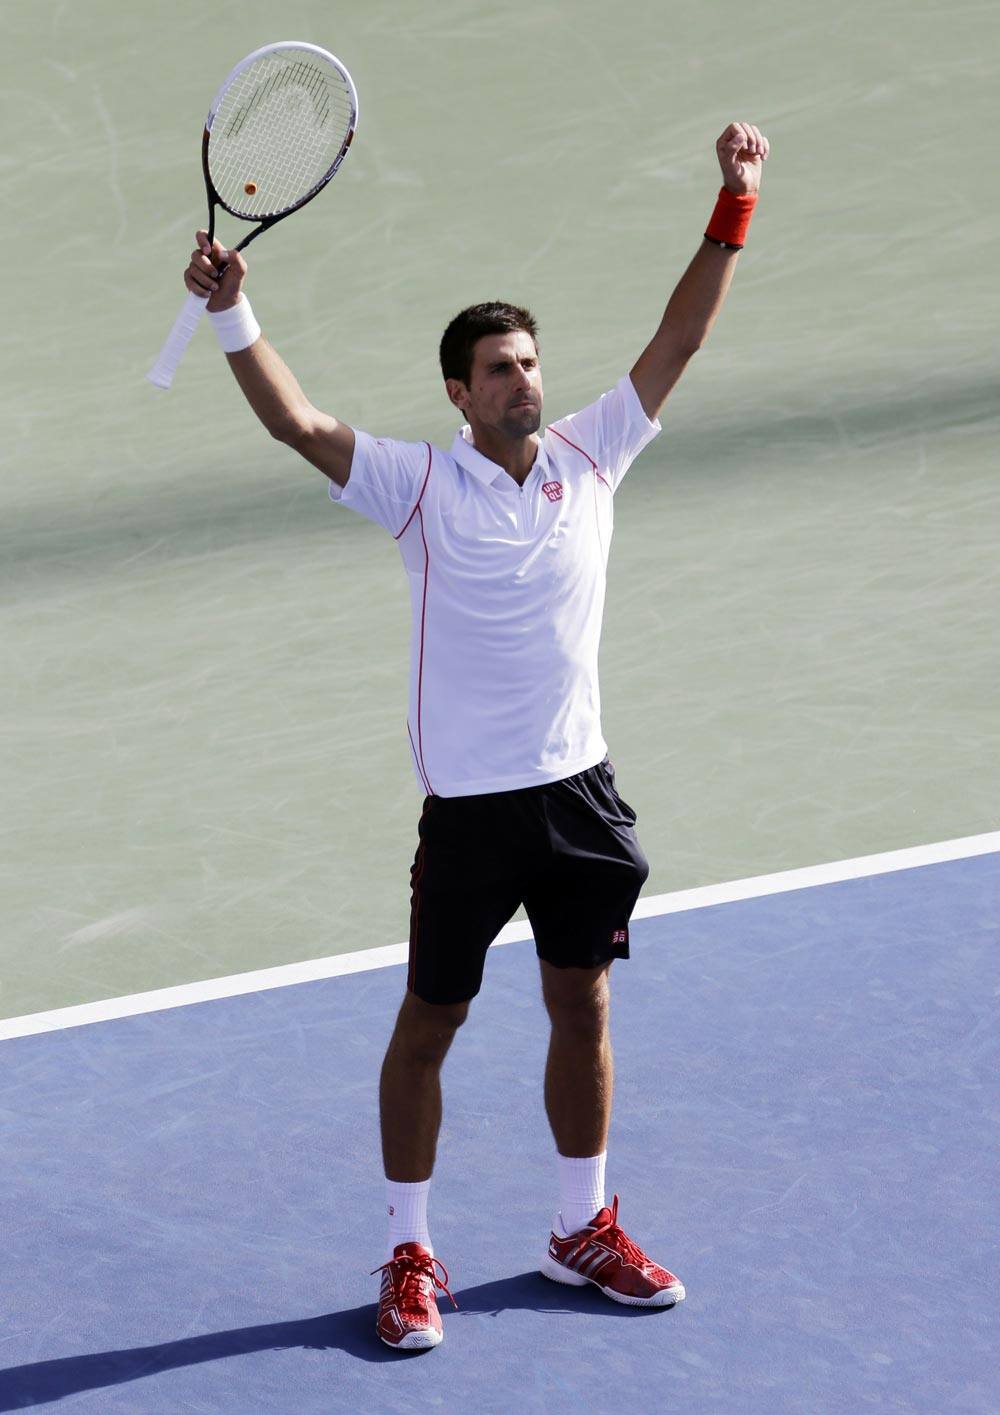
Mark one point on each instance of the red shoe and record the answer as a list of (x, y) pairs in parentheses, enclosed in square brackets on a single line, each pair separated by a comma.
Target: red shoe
[(602, 1254), (408, 1316)]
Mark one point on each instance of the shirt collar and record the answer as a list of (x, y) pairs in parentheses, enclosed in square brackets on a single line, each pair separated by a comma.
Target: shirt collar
[(480, 467)]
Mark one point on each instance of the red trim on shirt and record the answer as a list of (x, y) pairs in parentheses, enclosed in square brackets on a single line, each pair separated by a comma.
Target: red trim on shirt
[(597, 516), (420, 771), (582, 454), (420, 665), (418, 747), (577, 449), (421, 496)]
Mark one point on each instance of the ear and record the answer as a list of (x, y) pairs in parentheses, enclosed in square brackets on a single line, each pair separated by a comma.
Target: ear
[(457, 393)]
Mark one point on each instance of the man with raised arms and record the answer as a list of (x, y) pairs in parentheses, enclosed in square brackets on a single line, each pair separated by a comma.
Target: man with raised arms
[(505, 538)]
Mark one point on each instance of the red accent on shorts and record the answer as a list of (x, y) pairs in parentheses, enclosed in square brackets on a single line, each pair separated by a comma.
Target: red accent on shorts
[(418, 874)]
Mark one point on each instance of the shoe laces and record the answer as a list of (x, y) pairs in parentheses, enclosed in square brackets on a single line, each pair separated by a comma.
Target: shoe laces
[(411, 1276), (616, 1238)]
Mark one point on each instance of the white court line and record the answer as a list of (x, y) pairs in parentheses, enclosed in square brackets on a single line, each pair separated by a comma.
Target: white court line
[(362, 962)]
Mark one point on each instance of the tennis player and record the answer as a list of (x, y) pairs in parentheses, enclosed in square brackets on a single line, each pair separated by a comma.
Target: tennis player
[(505, 539)]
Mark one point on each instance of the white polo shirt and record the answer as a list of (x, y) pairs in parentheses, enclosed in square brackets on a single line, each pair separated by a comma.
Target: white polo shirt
[(507, 588)]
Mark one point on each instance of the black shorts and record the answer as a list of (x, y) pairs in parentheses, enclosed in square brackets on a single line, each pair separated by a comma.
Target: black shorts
[(567, 851)]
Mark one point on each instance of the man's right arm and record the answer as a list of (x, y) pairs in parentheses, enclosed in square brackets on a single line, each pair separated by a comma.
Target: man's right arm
[(268, 384)]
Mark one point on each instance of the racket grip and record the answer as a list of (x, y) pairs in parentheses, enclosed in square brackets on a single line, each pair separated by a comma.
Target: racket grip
[(192, 311)]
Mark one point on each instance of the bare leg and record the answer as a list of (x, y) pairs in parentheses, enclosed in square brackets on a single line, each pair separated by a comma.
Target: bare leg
[(410, 1087), (579, 1072)]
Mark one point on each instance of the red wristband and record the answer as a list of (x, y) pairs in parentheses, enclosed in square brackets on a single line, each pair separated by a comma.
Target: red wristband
[(731, 219)]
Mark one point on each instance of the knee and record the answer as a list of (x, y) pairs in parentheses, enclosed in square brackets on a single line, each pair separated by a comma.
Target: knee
[(579, 1009), (425, 1030)]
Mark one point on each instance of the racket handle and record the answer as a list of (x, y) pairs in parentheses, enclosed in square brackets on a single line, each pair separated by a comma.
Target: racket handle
[(192, 310)]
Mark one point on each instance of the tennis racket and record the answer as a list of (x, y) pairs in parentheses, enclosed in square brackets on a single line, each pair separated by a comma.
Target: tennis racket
[(277, 130)]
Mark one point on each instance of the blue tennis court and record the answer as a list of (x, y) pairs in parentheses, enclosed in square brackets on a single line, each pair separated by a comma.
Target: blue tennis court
[(805, 1130)]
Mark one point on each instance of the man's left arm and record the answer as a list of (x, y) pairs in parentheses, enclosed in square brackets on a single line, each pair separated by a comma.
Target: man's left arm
[(701, 291)]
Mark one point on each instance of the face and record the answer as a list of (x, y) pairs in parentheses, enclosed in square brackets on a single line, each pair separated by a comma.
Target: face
[(504, 392)]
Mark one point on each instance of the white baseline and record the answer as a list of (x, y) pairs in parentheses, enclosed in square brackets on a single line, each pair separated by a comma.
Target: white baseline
[(655, 905)]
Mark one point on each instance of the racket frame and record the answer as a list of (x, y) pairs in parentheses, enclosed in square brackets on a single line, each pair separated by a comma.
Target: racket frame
[(161, 375), (268, 221)]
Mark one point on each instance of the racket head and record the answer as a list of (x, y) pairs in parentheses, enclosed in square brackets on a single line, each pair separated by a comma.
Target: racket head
[(278, 129)]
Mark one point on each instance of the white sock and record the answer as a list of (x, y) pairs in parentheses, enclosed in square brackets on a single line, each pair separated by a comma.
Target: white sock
[(581, 1191), (407, 1206)]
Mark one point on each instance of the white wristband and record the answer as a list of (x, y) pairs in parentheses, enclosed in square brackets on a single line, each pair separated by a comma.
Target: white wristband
[(236, 327)]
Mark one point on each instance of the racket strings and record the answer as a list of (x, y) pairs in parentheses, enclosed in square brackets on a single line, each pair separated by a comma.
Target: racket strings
[(279, 128)]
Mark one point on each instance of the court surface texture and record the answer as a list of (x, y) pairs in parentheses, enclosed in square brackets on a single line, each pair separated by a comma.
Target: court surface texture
[(805, 1130)]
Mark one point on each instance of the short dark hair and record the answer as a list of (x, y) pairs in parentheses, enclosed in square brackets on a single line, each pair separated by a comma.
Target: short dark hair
[(471, 325)]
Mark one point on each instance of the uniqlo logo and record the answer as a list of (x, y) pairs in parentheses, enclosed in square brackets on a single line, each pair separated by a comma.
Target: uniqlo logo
[(553, 490), (619, 936)]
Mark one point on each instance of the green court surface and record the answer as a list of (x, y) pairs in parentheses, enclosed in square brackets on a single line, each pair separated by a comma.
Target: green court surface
[(206, 768)]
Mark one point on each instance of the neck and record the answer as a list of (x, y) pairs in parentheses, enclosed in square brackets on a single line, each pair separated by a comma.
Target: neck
[(515, 454)]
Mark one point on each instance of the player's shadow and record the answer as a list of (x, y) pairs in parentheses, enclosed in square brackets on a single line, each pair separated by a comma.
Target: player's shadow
[(24, 1386), (351, 1331)]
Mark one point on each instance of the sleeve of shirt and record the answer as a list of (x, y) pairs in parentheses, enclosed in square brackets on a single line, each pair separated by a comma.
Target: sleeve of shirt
[(611, 432), (385, 481)]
